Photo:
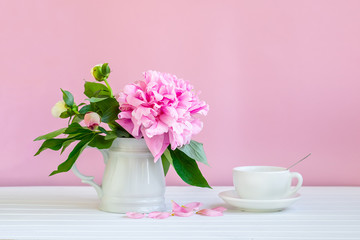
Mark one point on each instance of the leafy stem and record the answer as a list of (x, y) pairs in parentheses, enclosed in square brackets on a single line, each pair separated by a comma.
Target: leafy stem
[(69, 122), (108, 86)]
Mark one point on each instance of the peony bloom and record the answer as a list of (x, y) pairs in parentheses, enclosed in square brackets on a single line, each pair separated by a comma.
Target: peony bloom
[(92, 120), (58, 109), (162, 109)]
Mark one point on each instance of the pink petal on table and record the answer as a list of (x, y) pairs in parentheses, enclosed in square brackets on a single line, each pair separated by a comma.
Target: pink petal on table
[(219, 209), (175, 207), (193, 206), (159, 215), (183, 211), (183, 214), (135, 215), (210, 213)]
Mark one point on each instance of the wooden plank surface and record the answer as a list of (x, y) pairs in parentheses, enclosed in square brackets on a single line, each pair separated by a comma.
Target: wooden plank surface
[(71, 213)]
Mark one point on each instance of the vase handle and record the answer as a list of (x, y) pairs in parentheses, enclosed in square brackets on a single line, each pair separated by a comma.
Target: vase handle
[(89, 179)]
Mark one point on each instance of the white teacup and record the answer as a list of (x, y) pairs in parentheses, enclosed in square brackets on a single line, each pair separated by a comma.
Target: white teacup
[(264, 182)]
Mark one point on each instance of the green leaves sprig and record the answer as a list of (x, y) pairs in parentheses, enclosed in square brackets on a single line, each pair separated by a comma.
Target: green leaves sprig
[(184, 161), (102, 102), (71, 107), (75, 132)]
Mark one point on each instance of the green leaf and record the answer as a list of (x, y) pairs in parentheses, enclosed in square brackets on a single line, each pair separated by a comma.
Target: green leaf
[(103, 130), (166, 164), (100, 142), (188, 169), (75, 128), (64, 115), (68, 98), (95, 99), (51, 135), (123, 134), (110, 135), (73, 156), (110, 114), (195, 150), (107, 104), (166, 161), (168, 155), (95, 89), (53, 144), (56, 143), (119, 130), (66, 144), (85, 109), (109, 109), (77, 119)]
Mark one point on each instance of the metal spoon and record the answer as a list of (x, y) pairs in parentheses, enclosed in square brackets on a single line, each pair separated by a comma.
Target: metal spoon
[(298, 161)]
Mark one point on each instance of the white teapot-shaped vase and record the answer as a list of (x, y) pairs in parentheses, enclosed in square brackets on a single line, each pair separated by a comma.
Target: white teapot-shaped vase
[(132, 181)]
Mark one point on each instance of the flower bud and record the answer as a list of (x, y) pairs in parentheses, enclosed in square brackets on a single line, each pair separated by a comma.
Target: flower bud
[(92, 120), (58, 109), (101, 72)]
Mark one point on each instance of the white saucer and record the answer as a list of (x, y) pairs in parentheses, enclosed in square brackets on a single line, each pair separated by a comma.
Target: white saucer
[(250, 205)]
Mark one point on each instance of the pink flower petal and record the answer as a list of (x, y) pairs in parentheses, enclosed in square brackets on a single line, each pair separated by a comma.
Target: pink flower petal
[(210, 213), (197, 125), (219, 209), (127, 124), (181, 211), (175, 207), (183, 214), (157, 128), (134, 101), (135, 215), (159, 215), (157, 145), (193, 206)]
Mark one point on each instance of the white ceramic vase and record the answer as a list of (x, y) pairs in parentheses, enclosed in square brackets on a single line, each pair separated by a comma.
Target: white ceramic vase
[(132, 182)]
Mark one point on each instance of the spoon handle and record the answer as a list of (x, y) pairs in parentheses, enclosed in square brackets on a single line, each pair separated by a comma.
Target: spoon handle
[(299, 161)]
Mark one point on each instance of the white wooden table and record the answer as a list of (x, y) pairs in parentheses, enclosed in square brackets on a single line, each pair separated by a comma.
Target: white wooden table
[(71, 213)]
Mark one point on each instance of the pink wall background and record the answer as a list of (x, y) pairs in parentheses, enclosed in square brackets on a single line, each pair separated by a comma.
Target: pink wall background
[(281, 78)]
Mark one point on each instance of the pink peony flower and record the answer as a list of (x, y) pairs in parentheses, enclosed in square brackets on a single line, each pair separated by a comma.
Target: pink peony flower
[(162, 109), (92, 120)]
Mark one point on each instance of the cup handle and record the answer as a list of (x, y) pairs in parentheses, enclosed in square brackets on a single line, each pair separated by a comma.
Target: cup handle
[(293, 190), (89, 179)]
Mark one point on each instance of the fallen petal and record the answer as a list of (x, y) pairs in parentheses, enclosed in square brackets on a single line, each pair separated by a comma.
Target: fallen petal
[(175, 207), (183, 214), (193, 206), (135, 215), (219, 209), (210, 213), (159, 215)]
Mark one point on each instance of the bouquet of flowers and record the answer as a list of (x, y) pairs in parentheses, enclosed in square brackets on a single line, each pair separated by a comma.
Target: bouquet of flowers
[(161, 108)]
